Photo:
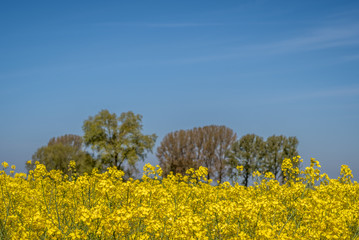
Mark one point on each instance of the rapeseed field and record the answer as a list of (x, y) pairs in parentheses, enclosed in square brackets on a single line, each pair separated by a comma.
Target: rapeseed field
[(51, 205)]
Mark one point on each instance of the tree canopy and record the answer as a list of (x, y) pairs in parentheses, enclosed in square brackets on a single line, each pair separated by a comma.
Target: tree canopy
[(248, 152), (253, 153), (118, 140), (204, 146), (277, 149), (60, 151)]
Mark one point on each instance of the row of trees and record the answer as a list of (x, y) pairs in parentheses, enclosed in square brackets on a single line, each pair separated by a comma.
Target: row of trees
[(255, 154), (217, 148), (204, 146), (114, 141), (119, 141)]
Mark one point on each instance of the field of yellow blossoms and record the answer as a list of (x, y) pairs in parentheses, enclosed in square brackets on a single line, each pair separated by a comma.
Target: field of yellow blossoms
[(50, 205)]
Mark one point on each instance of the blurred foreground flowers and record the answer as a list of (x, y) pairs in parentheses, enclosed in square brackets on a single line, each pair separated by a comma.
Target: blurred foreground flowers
[(51, 205)]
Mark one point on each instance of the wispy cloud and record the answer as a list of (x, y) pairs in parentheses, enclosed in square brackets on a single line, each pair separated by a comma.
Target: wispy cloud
[(313, 40), (344, 15), (323, 38), (350, 58), (344, 91), (310, 40), (158, 25), (339, 92)]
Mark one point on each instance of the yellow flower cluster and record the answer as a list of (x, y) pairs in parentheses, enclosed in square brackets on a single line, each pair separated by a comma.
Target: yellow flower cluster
[(51, 205)]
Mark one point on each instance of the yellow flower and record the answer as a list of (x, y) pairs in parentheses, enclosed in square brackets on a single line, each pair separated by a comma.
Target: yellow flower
[(13, 167), (51, 205), (256, 173), (5, 164), (72, 164), (240, 168), (269, 175)]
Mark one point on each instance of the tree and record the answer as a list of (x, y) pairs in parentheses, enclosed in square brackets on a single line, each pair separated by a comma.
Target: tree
[(277, 149), (248, 152), (176, 153), (118, 140), (60, 151), (253, 153), (216, 143), (203, 146)]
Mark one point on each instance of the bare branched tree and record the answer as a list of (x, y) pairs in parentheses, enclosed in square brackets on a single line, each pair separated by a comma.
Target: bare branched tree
[(204, 146)]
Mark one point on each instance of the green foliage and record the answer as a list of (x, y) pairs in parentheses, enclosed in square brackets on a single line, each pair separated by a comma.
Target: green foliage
[(248, 152), (254, 154), (277, 149), (118, 139), (60, 151)]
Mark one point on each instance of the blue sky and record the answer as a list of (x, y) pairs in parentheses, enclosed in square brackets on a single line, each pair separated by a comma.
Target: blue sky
[(263, 67)]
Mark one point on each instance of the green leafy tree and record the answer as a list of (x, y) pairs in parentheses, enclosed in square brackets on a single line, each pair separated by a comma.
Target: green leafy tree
[(248, 152), (118, 140), (277, 149), (60, 151)]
